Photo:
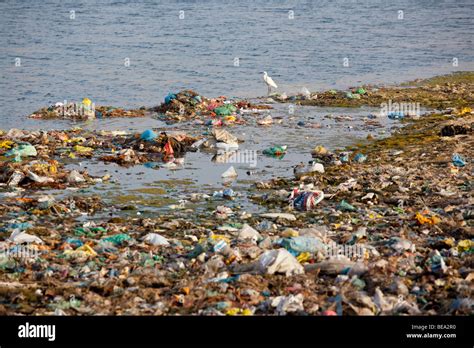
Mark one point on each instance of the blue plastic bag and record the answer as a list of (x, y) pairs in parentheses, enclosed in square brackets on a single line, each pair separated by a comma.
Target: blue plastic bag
[(360, 158), (170, 97), (458, 161), (302, 244), (148, 135)]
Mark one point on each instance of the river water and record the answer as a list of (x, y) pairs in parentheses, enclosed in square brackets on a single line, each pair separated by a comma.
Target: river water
[(71, 55)]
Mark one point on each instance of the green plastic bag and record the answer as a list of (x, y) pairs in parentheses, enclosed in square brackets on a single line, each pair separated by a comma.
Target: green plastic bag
[(344, 206), (22, 150), (275, 151), (117, 239), (225, 110)]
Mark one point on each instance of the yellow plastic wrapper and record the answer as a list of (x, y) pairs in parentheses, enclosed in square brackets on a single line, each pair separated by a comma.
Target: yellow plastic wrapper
[(87, 249), (238, 311), (218, 237), (229, 118), (53, 168), (6, 144), (82, 149), (83, 252), (77, 140), (46, 168), (303, 257), (246, 312), (373, 216), (233, 311), (465, 245), (425, 217), (289, 232), (319, 150), (87, 102), (465, 110)]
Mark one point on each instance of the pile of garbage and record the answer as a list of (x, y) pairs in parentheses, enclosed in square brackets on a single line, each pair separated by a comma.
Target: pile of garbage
[(325, 98), (189, 105), (83, 111), (384, 227), (39, 156), (409, 201), (451, 91), (151, 147), (29, 161)]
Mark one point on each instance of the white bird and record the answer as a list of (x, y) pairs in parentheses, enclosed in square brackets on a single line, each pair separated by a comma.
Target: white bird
[(269, 81)]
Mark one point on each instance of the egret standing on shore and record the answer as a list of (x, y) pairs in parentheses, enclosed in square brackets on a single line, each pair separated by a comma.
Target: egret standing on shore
[(269, 81)]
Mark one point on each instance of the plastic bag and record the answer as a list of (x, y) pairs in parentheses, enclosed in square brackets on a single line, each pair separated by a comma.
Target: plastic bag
[(279, 261)]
